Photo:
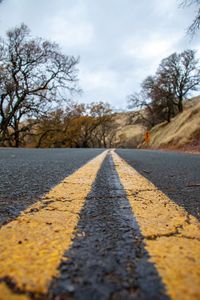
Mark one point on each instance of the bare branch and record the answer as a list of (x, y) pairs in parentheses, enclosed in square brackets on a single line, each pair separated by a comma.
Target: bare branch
[(195, 26), (34, 73)]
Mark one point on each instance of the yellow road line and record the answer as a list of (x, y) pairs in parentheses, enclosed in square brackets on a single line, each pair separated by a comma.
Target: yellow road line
[(32, 246), (172, 236), (7, 294)]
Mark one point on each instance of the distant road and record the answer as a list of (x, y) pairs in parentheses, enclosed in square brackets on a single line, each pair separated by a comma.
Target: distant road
[(89, 224)]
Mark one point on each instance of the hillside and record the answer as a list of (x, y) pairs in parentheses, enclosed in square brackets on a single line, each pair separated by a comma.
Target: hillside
[(183, 132), (130, 130)]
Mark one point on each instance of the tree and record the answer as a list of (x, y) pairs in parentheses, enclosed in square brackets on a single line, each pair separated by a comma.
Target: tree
[(79, 126), (153, 103), (55, 128), (105, 130), (162, 95), (179, 74), (33, 75), (143, 107), (195, 26), (94, 127), (50, 129)]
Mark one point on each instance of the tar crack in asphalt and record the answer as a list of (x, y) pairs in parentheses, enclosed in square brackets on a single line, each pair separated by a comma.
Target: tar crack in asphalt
[(107, 259)]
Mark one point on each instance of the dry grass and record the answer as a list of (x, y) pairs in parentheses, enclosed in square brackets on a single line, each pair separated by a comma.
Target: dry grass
[(130, 131), (181, 131), (130, 136)]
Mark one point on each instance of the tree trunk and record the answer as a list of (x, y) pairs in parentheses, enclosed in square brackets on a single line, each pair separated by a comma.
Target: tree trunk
[(169, 115), (180, 105), (17, 141), (16, 135), (104, 141)]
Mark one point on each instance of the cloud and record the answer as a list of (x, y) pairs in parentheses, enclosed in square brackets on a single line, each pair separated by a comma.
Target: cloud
[(120, 42), (106, 85), (98, 85), (71, 33), (98, 79), (153, 47)]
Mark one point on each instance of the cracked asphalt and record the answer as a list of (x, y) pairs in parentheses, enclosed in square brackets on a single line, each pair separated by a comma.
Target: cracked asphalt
[(127, 237), (175, 174), (107, 259), (26, 174)]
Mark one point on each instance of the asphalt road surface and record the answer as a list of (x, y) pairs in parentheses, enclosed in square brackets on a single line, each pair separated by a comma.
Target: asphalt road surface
[(27, 174), (117, 227), (176, 174)]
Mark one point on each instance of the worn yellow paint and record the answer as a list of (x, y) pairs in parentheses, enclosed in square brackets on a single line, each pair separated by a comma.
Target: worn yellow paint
[(7, 294), (171, 235), (32, 246)]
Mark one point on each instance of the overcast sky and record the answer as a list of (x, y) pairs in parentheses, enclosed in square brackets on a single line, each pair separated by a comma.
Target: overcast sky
[(120, 42)]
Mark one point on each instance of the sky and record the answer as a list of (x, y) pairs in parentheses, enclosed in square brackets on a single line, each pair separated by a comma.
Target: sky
[(119, 42)]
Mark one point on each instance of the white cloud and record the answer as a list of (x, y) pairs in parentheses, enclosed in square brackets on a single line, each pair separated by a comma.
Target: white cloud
[(169, 6), (71, 33), (154, 47), (98, 79)]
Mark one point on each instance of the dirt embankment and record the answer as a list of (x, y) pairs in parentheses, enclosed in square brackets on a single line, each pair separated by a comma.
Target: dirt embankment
[(130, 130), (182, 133)]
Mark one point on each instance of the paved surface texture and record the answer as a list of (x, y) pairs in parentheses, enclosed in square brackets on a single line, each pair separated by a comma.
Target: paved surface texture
[(32, 246), (26, 174), (107, 259), (103, 232), (176, 174), (171, 234)]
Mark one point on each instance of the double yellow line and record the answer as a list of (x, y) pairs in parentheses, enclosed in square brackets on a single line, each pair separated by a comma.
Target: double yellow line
[(32, 246), (171, 235)]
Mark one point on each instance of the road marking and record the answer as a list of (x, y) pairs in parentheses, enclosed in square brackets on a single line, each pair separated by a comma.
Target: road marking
[(32, 246), (7, 294), (172, 236)]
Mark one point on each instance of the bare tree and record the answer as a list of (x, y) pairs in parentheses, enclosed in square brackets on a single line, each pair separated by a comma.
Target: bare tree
[(152, 104), (161, 96), (34, 74), (105, 129), (195, 26), (142, 107), (178, 75)]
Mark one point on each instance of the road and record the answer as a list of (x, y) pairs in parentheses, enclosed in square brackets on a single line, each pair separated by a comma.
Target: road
[(176, 174), (27, 174), (94, 224)]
